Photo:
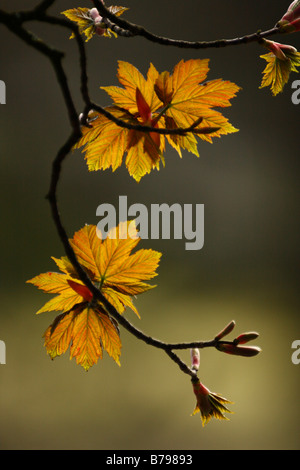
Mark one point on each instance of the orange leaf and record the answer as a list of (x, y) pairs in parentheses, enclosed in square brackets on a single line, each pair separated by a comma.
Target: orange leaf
[(118, 274), (55, 283), (92, 332), (161, 100), (189, 101), (131, 78), (58, 339), (86, 332)]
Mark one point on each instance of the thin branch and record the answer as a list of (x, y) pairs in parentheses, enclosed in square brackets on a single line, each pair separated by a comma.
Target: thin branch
[(143, 128), (181, 364), (137, 30)]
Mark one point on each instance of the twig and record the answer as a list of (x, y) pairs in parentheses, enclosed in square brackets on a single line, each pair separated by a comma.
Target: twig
[(143, 128), (137, 30)]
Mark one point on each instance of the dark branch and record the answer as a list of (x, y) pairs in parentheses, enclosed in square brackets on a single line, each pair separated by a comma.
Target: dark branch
[(137, 30), (143, 128)]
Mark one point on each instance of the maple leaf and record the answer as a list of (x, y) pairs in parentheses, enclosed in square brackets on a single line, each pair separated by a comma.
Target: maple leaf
[(187, 100), (159, 101), (89, 21), (280, 63), (84, 325), (87, 331)]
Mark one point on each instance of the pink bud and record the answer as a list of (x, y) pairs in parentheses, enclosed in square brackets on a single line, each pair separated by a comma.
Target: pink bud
[(98, 21), (246, 351), (246, 337), (94, 14), (195, 356), (225, 330), (295, 25), (293, 11), (289, 22), (278, 49)]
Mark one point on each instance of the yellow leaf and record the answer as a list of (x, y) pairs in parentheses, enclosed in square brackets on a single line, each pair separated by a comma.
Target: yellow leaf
[(186, 78), (120, 300), (55, 283), (161, 101), (115, 271), (277, 72), (131, 78), (122, 270), (86, 332), (86, 245), (92, 332), (142, 155), (187, 100), (81, 17), (87, 24), (140, 265), (58, 338)]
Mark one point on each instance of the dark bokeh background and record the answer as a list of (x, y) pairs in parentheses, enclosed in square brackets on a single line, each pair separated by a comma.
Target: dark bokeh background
[(247, 271)]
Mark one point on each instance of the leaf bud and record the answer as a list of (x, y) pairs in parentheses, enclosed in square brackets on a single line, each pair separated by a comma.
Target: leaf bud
[(245, 337), (246, 351), (279, 50), (195, 356), (225, 331), (290, 22)]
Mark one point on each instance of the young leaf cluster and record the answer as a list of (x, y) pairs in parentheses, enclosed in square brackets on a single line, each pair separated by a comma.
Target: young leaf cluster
[(84, 325), (161, 101)]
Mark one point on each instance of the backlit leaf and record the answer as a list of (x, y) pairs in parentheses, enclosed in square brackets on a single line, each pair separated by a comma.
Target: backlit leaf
[(92, 332), (86, 331), (86, 22), (277, 72), (81, 17), (189, 101), (84, 326), (173, 101)]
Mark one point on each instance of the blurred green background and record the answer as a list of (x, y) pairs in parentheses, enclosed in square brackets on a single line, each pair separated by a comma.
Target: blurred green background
[(248, 269)]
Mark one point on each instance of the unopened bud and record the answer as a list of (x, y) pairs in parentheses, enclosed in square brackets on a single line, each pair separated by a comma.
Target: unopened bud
[(94, 14), (225, 330), (195, 356), (246, 337), (246, 351), (290, 20), (281, 51)]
